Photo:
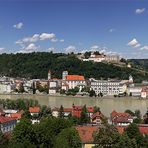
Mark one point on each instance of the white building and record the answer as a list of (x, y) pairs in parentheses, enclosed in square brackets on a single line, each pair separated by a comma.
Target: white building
[(5, 87), (112, 58), (110, 87), (75, 81)]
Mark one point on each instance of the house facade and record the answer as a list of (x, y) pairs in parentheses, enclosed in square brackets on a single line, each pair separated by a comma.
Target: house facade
[(7, 124), (110, 87), (121, 118)]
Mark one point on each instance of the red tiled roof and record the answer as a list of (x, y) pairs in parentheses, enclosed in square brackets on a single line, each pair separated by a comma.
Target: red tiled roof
[(97, 114), (34, 109), (90, 109), (67, 109), (4, 119), (119, 114), (75, 78), (16, 115), (86, 133)]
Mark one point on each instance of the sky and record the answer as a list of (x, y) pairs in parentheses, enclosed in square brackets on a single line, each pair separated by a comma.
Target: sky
[(109, 26)]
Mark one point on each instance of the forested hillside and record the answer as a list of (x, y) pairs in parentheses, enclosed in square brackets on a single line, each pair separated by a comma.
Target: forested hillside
[(140, 63), (36, 65)]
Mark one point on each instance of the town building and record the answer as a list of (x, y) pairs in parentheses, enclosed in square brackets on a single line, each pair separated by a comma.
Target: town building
[(144, 92), (34, 110), (107, 87), (73, 81), (7, 124), (121, 118), (97, 118)]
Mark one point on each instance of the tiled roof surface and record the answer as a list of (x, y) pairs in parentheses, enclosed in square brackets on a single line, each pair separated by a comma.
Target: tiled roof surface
[(86, 133), (75, 78), (4, 119), (34, 109), (16, 115)]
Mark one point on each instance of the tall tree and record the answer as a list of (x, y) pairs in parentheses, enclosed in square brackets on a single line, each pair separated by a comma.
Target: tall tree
[(68, 138)]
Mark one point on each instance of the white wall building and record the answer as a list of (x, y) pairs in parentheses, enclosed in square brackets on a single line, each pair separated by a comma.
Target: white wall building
[(108, 87)]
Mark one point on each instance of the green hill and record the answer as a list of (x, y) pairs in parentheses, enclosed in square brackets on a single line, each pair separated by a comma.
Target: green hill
[(36, 65)]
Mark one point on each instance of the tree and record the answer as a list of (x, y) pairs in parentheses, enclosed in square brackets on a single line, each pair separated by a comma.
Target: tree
[(133, 132), (92, 93), (130, 112), (101, 94), (106, 136), (3, 140), (33, 88), (45, 111), (84, 116), (23, 132), (96, 109), (68, 138), (61, 112)]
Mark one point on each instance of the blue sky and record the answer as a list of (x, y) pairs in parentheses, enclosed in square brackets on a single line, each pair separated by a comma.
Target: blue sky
[(115, 26)]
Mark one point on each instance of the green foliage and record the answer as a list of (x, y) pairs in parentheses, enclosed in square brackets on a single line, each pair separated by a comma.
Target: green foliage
[(92, 93), (106, 137), (23, 132), (84, 118), (130, 112), (72, 91), (96, 109), (133, 132), (19, 104), (68, 138), (61, 112), (36, 65), (45, 111)]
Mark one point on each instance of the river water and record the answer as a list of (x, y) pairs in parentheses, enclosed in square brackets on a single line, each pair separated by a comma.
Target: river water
[(107, 104)]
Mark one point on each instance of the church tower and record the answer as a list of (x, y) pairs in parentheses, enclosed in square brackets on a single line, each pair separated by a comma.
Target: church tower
[(49, 75)]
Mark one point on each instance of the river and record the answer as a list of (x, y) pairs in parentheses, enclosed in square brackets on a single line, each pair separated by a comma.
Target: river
[(107, 104)]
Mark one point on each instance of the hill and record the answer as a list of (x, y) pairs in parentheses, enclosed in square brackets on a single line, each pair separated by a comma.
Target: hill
[(37, 64), (140, 63)]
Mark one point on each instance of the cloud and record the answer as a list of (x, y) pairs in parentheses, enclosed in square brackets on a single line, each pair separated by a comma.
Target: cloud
[(31, 47), (61, 40), (50, 49), (54, 40), (139, 10), (18, 26), (70, 49), (47, 36), (144, 48), (37, 37), (2, 49), (94, 48), (134, 43), (137, 45), (111, 30)]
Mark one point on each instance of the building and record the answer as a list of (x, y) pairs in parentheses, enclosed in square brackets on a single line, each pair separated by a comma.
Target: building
[(121, 118), (34, 110), (75, 111), (7, 124), (75, 81), (97, 118), (112, 58), (49, 75), (64, 74), (86, 135), (144, 92), (6, 87), (108, 87)]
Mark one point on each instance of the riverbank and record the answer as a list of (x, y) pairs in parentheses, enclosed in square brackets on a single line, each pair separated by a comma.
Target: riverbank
[(78, 96)]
